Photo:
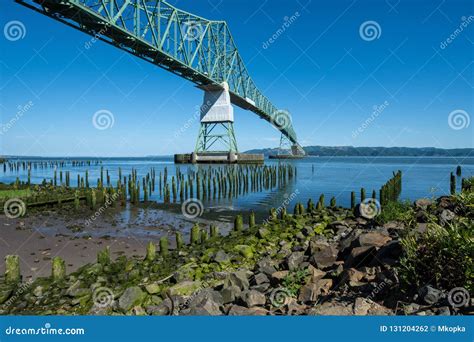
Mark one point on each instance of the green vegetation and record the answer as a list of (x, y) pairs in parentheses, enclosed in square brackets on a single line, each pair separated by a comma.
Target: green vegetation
[(397, 211), (442, 256), (12, 193), (295, 280), (351, 151)]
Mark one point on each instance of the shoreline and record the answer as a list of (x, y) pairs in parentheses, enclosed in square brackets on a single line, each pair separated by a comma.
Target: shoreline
[(43, 234), (320, 260)]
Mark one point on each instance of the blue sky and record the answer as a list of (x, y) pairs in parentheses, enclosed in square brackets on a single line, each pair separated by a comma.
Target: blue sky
[(320, 69)]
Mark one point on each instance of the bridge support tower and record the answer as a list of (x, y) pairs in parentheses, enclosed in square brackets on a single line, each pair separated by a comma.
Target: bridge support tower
[(216, 134)]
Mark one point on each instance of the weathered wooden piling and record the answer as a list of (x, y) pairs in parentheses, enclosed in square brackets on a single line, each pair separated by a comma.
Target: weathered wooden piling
[(251, 219), (58, 271), (164, 251), (214, 231), (179, 241), (103, 256), (362, 194), (238, 223), (204, 236), (321, 201), (150, 251), (195, 234), (12, 269), (452, 184)]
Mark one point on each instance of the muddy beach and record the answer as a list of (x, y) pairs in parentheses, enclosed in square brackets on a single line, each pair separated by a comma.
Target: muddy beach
[(77, 237)]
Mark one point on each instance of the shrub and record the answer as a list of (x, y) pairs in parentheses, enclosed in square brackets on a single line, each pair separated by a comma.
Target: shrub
[(397, 211), (441, 257)]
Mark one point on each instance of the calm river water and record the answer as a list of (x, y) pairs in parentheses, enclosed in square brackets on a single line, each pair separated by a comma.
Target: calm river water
[(333, 176)]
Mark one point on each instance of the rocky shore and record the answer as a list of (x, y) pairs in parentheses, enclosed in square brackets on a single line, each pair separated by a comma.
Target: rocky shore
[(316, 261)]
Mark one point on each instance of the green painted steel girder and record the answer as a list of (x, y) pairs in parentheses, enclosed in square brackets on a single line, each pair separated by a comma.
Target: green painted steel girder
[(200, 50)]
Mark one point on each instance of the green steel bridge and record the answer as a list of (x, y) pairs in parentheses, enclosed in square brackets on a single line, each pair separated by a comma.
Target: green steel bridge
[(200, 50)]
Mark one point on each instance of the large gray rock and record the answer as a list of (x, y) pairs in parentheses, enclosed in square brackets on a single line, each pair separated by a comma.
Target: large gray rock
[(260, 278), (185, 288), (266, 266), (423, 203), (322, 254), (131, 297), (309, 293), (199, 297), (253, 298), (360, 256), (230, 294), (352, 276), (294, 260), (238, 279), (277, 277), (237, 310), (430, 295), (221, 257), (333, 308), (207, 307), (376, 239), (315, 273), (367, 307)]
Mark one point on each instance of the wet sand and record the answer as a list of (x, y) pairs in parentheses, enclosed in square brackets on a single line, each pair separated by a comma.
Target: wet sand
[(48, 232)]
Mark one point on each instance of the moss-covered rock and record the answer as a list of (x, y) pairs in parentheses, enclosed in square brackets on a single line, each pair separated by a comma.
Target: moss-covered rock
[(185, 288), (131, 297)]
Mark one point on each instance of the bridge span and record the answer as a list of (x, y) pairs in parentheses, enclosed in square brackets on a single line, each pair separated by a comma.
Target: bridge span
[(200, 50)]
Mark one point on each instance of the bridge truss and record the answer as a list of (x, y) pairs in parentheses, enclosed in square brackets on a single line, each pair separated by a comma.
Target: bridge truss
[(200, 50)]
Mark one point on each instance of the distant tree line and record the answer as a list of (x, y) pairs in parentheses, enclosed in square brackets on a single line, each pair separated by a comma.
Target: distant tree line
[(351, 151)]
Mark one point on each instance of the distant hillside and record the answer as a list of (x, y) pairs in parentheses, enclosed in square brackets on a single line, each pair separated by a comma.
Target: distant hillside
[(351, 151)]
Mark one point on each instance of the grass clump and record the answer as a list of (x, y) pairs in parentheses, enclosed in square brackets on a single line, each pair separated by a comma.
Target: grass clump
[(397, 211), (441, 257)]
